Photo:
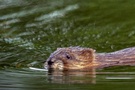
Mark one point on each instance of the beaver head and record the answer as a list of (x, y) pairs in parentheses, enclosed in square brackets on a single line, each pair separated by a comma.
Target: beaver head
[(71, 58)]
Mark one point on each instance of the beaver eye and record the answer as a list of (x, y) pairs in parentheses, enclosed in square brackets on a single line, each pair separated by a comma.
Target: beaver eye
[(50, 62), (68, 56)]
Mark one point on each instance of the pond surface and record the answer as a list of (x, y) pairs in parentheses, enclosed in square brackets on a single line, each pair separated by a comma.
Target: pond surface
[(30, 30)]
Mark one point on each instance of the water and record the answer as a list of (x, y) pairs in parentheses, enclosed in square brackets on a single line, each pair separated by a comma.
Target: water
[(31, 30), (25, 79)]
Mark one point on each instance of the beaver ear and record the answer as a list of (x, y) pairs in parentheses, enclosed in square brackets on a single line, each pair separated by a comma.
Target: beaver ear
[(59, 48), (88, 53)]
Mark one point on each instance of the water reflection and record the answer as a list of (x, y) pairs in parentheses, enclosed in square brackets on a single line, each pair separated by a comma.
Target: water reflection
[(29, 79), (70, 77), (91, 77)]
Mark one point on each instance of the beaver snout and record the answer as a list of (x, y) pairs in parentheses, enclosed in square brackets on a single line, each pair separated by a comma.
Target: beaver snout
[(54, 64)]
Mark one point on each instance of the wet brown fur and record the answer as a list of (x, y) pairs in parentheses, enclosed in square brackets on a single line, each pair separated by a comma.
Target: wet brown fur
[(78, 58)]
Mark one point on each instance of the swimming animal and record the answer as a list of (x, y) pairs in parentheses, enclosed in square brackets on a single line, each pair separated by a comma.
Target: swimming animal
[(79, 58)]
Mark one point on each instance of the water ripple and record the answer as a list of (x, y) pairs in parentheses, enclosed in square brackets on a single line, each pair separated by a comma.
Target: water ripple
[(6, 24), (8, 3), (58, 13), (22, 13), (53, 15), (120, 78), (20, 42)]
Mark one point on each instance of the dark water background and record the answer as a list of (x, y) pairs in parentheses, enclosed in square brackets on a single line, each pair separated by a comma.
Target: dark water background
[(32, 29)]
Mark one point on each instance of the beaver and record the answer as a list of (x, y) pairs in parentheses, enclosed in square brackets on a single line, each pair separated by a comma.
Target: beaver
[(79, 58)]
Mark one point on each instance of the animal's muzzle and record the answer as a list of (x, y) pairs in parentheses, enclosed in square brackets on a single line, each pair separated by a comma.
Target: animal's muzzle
[(54, 65)]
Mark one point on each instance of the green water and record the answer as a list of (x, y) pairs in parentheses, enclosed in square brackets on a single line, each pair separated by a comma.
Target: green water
[(32, 29)]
